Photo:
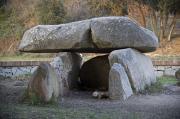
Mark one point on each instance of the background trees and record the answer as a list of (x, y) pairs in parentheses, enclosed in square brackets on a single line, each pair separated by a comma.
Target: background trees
[(50, 11), (162, 17), (108, 7), (18, 15), (2, 2)]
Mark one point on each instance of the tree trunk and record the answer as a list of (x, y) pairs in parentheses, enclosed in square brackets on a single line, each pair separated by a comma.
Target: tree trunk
[(142, 15), (154, 22), (171, 28)]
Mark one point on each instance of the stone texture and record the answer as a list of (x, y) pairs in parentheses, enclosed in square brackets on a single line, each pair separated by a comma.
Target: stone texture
[(44, 83), (138, 67), (94, 73), (159, 73), (101, 35), (67, 67), (73, 36), (119, 85), (177, 74), (121, 32)]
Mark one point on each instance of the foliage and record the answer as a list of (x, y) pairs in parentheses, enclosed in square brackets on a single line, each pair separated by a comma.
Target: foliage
[(50, 12), (163, 17), (108, 7), (154, 88), (10, 25), (30, 97), (2, 2), (167, 80), (158, 86)]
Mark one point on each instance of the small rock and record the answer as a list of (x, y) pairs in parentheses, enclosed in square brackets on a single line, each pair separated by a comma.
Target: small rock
[(100, 94)]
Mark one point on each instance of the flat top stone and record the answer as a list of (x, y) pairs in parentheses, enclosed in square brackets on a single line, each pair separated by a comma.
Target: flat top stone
[(99, 35)]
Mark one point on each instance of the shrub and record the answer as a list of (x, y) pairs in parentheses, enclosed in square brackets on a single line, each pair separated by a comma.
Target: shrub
[(50, 11)]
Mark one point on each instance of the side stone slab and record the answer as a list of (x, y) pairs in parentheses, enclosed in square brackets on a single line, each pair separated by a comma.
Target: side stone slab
[(44, 84), (119, 85), (138, 67), (67, 68)]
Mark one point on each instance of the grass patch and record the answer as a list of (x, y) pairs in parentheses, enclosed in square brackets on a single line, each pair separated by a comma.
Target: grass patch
[(167, 80), (154, 88), (23, 111), (27, 57), (158, 86)]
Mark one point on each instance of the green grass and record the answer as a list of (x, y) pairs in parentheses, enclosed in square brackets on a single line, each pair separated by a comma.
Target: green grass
[(158, 86), (27, 57), (24, 111), (167, 80)]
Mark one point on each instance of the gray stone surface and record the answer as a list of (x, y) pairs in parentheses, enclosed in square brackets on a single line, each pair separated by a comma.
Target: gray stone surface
[(73, 36), (121, 32), (44, 83), (119, 85), (159, 73), (138, 67), (177, 74), (165, 70), (101, 35), (17, 72), (94, 73), (67, 67)]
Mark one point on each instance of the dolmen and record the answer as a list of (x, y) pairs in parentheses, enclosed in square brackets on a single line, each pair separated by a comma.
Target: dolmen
[(122, 69)]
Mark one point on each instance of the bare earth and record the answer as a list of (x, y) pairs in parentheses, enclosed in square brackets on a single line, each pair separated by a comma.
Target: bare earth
[(164, 105)]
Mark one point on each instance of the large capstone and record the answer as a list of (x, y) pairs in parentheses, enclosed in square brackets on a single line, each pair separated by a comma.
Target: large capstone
[(73, 36), (44, 84), (138, 67), (94, 73), (119, 85), (121, 32), (67, 67), (100, 35)]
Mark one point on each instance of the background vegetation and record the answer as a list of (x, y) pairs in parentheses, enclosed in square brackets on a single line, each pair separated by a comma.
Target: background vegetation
[(16, 16)]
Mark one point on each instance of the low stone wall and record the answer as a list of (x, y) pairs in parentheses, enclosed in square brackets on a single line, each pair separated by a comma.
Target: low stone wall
[(166, 68), (18, 69), (16, 72)]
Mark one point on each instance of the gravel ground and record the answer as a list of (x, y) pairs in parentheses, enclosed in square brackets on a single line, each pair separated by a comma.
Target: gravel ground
[(164, 105)]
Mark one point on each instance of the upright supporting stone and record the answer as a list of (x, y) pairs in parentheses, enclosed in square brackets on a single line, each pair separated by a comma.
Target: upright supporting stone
[(43, 84), (67, 67), (177, 74), (138, 67), (119, 86)]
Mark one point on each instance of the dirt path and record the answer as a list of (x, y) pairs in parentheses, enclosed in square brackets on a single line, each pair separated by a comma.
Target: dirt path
[(155, 106)]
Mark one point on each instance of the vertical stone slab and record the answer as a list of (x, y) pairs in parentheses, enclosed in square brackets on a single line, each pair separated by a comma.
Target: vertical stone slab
[(43, 84), (67, 67), (119, 85), (138, 67)]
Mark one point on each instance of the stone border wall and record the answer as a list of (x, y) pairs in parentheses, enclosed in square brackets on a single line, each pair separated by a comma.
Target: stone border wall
[(166, 68), (21, 68), (166, 63), (18, 69), (36, 63)]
